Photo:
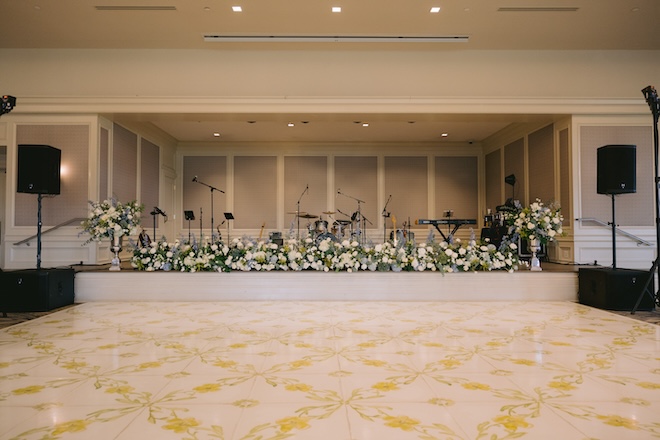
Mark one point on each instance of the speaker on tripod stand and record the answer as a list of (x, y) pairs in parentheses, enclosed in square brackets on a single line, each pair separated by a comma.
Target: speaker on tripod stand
[(612, 288), (37, 290)]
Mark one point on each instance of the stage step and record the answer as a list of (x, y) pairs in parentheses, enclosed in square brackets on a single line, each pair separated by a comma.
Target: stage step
[(306, 286)]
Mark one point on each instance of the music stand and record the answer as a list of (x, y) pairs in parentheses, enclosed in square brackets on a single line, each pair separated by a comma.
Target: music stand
[(228, 216), (189, 215)]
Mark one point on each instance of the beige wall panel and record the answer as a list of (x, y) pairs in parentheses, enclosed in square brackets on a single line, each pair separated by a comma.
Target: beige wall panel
[(73, 141), (406, 179), (493, 180), (124, 164), (300, 171), (211, 170), (540, 146), (357, 177), (457, 187), (104, 148), (514, 163), (631, 209), (565, 177), (255, 190)]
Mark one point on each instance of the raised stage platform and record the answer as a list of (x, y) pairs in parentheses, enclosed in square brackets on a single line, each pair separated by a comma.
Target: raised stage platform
[(129, 285)]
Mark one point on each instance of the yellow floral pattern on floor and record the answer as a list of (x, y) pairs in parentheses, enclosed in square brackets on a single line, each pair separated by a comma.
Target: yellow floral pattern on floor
[(330, 370)]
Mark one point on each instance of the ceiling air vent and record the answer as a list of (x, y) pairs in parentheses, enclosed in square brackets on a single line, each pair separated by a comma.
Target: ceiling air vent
[(330, 39), (537, 9), (134, 8)]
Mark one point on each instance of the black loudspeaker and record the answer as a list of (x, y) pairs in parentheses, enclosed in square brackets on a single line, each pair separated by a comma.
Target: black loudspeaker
[(36, 290), (38, 169), (614, 289), (617, 169)]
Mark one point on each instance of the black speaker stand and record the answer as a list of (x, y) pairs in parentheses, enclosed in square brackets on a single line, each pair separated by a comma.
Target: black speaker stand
[(39, 197), (651, 97), (613, 232)]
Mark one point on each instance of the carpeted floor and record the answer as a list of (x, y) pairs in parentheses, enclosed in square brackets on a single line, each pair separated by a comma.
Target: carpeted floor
[(652, 317)]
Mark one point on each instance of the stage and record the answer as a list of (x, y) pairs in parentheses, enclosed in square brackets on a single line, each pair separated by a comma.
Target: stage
[(523, 285)]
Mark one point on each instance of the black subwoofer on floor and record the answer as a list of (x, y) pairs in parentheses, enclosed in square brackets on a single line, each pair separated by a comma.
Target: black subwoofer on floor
[(36, 290), (614, 289)]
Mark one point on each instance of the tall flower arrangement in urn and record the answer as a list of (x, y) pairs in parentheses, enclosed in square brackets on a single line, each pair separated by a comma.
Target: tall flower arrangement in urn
[(112, 219), (539, 224)]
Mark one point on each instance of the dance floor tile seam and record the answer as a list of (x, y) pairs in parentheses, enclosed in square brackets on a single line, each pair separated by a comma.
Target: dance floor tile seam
[(330, 370)]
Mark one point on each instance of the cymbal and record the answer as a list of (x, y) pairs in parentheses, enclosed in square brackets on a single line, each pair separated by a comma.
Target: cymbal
[(308, 216), (297, 213), (343, 222), (328, 212)]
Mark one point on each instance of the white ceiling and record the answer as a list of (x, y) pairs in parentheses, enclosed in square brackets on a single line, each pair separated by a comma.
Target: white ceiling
[(182, 24)]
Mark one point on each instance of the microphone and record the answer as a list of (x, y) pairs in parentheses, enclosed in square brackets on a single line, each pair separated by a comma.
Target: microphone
[(195, 179), (157, 210), (307, 188)]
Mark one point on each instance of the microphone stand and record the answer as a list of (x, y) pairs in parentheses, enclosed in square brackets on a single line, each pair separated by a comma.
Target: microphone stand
[(358, 213), (201, 227), (212, 188), (386, 215), (306, 190)]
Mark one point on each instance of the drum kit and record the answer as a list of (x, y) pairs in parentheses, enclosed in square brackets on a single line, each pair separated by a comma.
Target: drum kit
[(320, 229)]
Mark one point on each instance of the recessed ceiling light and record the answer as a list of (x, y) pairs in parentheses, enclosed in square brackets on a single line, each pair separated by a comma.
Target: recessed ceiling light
[(207, 9), (237, 9), (444, 135), (365, 124), (216, 134), (290, 124), (435, 9), (336, 9)]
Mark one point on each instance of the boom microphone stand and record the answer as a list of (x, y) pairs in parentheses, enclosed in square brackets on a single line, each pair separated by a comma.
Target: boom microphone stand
[(306, 191), (212, 188), (651, 97)]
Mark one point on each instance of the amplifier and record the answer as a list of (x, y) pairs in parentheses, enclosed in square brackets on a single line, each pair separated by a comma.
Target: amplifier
[(614, 289), (36, 290)]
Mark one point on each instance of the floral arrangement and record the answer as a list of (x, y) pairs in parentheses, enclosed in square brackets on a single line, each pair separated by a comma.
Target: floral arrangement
[(244, 254), (537, 221), (111, 218)]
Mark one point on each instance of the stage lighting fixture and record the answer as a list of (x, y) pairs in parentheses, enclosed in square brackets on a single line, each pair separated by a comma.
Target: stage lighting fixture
[(7, 104)]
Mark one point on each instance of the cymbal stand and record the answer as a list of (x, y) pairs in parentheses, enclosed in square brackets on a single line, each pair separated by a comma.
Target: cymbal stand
[(386, 215), (364, 228), (306, 191)]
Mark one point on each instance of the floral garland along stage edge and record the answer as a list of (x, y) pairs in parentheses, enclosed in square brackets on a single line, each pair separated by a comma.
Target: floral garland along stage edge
[(244, 254), (110, 217)]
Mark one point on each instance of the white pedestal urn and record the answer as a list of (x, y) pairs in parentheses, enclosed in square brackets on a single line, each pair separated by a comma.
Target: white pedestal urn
[(535, 247), (116, 247)]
